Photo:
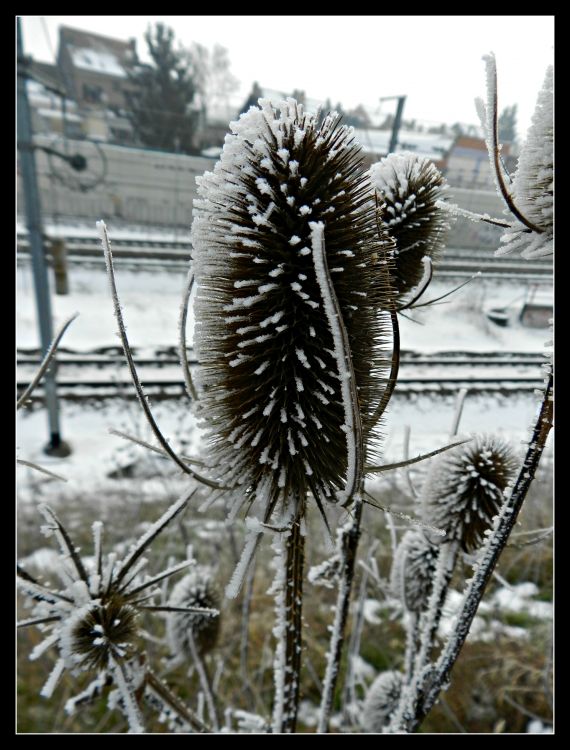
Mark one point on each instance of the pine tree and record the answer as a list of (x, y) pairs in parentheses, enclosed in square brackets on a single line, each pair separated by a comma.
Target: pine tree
[(253, 97), (508, 125), (164, 110)]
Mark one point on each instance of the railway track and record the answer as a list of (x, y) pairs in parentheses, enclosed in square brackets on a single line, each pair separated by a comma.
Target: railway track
[(173, 253), (102, 373)]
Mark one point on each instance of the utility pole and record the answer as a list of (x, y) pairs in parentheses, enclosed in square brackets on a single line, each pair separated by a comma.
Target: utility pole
[(56, 446), (397, 121)]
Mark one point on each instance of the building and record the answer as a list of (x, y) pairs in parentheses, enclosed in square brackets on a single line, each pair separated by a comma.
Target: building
[(95, 67), (468, 163)]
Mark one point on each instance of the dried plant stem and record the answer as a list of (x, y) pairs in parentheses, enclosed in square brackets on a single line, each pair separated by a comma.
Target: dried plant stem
[(349, 546), (288, 600), (49, 355), (490, 554), (417, 459), (244, 640), (387, 395), (411, 646), (425, 630), (460, 400), (349, 695), (493, 145), (36, 467), (205, 682), (162, 691), (129, 357), (182, 336), (422, 286)]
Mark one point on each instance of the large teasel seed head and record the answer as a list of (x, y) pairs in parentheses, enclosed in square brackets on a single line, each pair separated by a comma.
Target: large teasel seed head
[(285, 237), (408, 188), (381, 700), (465, 488), (413, 569), (196, 589)]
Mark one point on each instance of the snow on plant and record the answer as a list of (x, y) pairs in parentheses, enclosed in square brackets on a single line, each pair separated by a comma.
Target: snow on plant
[(381, 700), (409, 187), (93, 618), (292, 278), (529, 199), (533, 182), (413, 569), (465, 489), (192, 627)]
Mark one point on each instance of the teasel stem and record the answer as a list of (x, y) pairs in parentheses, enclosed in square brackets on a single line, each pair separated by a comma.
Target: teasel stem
[(49, 355), (489, 556), (493, 144), (387, 395), (349, 691), (190, 389), (155, 685), (130, 361), (205, 682), (426, 628), (349, 546), (288, 607), (411, 646)]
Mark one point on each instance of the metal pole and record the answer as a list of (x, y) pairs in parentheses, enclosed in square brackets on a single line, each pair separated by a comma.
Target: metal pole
[(56, 445), (396, 126)]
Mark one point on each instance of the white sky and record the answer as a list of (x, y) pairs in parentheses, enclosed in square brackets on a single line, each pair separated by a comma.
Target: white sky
[(434, 60)]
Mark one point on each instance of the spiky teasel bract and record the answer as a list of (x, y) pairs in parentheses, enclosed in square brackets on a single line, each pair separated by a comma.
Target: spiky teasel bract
[(94, 618), (288, 258), (413, 569), (195, 590), (409, 187), (533, 182), (465, 489), (381, 700)]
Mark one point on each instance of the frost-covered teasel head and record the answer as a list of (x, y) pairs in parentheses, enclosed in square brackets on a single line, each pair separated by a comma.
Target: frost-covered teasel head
[(413, 569), (465, 489), (533, 182), (195, 590), (409, 187), (291, 278), (381, 700), (93, 618)]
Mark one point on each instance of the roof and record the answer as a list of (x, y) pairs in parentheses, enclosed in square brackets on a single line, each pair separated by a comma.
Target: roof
[(97, 53)]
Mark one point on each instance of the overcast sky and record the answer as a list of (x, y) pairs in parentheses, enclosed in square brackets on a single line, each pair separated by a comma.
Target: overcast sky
[(434, 60)]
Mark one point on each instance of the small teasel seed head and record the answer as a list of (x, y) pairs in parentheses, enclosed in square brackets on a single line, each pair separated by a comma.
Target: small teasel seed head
[(381, 700), (413, 569), (464, 489), (270, 378), (196, 589), (99, 632), (408, 188)]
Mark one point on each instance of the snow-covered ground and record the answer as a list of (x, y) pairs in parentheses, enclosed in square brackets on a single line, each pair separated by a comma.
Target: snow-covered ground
[(151, 305)]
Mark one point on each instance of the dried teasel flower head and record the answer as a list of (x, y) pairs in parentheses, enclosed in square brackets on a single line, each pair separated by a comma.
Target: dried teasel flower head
[(93, 619), (533, 182), (409, 187), (194, 590), (381, 700), (465, 488), (291, 275), (413, 569)]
